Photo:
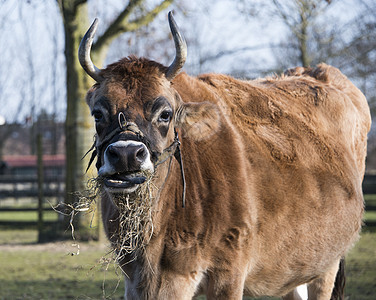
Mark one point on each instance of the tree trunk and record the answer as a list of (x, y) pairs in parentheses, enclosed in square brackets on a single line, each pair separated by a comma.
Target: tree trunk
[(303, 39), (79, 125)]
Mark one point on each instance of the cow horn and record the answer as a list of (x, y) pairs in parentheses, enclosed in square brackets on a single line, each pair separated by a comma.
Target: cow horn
[(181, 49), (84, 52)]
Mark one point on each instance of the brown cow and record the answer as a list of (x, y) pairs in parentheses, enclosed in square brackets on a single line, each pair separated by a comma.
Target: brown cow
[(263, 194)]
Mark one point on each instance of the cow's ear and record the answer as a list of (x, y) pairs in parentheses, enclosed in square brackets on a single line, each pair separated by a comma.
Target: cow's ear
[(198, 121)]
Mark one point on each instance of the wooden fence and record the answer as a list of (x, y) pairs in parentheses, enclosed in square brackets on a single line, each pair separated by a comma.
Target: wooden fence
[(15, 189), (369, 185), (19, 193)]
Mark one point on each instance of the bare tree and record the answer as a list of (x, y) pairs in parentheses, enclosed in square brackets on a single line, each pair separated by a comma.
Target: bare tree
[(79, 130), (359, 61), (300, 16), (361, 51), (306, 31), (30, 65), (11, 62), (57, 93), (7, 120)]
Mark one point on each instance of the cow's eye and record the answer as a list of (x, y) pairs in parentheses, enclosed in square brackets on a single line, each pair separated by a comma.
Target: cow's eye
[(165, 116), (98, 116)]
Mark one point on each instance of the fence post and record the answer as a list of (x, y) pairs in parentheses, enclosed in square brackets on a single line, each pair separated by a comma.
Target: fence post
[(40, 186)]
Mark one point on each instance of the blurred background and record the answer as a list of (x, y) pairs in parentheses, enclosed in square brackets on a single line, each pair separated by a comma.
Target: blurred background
[(46, 129)]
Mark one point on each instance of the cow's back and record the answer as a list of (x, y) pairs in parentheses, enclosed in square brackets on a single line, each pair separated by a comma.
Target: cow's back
[(304, 136), (317, 110)]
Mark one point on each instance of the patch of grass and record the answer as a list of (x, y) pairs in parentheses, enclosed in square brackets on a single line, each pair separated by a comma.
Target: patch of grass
[(370, 198), (370, 216), (27, 216), (20, 236), (361, 269), (48, 271), (42, 272)]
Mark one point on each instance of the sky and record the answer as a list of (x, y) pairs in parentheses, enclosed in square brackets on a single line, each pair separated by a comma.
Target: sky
[(32, 73), (32, 47)]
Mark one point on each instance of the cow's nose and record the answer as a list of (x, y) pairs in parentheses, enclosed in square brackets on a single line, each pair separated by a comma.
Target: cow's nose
[(126, 158)]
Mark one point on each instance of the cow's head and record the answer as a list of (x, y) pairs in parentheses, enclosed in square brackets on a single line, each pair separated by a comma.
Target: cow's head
[(137, 114)]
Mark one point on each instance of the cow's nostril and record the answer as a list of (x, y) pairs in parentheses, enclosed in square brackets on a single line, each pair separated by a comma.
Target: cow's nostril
[(141, 154), (112, 154)]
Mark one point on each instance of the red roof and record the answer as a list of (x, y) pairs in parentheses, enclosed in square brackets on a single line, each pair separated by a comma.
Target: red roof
[(31, 160)]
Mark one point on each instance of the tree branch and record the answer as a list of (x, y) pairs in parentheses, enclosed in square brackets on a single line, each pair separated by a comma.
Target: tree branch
[(149, 17), (69, 4), (235, 51), (121, 24), (114, 28)]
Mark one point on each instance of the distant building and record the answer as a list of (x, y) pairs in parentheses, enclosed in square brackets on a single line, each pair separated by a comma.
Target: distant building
[(20, 139), (53, 165), (18, 147)]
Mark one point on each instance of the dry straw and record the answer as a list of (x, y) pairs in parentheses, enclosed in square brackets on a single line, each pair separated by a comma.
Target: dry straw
[(135, 227)]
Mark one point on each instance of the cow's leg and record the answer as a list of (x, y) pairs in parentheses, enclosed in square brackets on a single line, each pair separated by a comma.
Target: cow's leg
[(321, 288), (225, 287), (177, 286)]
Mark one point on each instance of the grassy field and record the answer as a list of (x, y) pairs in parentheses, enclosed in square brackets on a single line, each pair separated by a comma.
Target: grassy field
[(27, 216), (50, 271), (55, 271), (361, 269)]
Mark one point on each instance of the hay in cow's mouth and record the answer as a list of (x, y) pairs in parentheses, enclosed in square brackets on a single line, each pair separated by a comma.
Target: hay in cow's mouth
[(135, 226), (134, 222)]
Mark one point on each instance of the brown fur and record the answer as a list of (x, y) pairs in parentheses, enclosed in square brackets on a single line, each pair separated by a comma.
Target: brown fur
[(273, 170)]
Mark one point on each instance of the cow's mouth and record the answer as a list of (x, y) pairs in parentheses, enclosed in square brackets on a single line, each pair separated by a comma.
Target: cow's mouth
[(124, 180)]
